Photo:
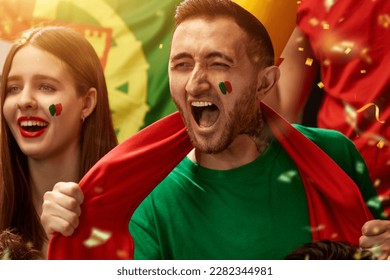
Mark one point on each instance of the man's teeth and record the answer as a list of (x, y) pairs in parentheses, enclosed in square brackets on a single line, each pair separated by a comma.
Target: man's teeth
[(201, 103), (32, 123)]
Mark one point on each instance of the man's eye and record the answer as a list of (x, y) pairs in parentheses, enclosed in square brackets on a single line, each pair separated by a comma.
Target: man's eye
[(219, 65), (182, 65)]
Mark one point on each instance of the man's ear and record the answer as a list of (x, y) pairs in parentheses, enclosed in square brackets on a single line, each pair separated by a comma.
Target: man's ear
[(89, 103), (267, 79)]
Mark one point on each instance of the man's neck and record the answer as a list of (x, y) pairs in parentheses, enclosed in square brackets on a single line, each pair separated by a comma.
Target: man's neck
[(242, 151)]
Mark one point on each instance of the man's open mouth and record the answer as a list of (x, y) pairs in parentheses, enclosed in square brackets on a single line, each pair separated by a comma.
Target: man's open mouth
[(205, 113)]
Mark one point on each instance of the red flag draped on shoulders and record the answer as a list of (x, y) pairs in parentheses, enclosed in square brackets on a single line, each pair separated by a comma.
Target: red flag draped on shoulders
[(118, 183)]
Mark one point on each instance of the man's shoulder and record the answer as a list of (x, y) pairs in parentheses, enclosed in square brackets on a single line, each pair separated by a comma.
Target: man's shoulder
[(319, 134)]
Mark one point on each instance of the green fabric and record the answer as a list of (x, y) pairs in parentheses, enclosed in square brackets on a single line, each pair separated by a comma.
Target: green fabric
[(256, 211)]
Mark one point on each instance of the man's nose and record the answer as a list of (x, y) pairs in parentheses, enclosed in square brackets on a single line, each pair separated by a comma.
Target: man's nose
[(198, 82)]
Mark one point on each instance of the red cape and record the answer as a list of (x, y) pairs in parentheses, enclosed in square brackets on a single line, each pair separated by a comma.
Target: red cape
[(119, 182)]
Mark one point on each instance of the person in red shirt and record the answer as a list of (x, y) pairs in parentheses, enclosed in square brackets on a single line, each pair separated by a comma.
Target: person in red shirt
[(349, 44)]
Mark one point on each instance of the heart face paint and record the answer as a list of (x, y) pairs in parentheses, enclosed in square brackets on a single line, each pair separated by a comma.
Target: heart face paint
[(225, 87), (55, 109)]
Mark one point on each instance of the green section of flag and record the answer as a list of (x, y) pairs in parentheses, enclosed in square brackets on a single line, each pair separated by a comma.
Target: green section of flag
[(152, 23)]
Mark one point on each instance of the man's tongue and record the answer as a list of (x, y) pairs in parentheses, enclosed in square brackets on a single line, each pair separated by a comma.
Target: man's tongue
[(208, 117)]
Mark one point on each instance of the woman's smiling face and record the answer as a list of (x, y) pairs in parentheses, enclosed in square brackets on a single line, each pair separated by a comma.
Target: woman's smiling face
[(38, 83)]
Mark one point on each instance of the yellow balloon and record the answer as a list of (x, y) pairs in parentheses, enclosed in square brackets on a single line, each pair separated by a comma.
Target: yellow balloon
[(278, 16)]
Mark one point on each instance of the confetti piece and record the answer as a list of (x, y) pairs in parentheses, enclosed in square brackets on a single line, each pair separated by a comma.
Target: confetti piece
[(314, 21), (97, 238), (123, 254), (347, 50), (299, 39), (328, 4), (377, 182), (350, 115), (313, 229), (309, 61), (366, 57), (160, 46), (301, 49), (288, 176), (376, 251), (363, 71), (374, 202), (376, 110), (359, 167), (380, 144), (326, 62), (320, 84), (384, 20), (325, 25)]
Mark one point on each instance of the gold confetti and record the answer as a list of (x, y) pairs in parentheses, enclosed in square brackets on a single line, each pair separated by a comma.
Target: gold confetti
[(363, 71), (326, 62), (380, 144), (123, 254), (347, 50), (97, 238), (314, 21), (160, 46), (299, 39), (377, 182), (320, 84), (309, 61), (350, 115), (364, 54), (301, 49), (376, 110), (357, 255), (325, 25), (384, 20)]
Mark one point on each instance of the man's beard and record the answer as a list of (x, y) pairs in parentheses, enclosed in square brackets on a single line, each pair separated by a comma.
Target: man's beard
[(245, 118)]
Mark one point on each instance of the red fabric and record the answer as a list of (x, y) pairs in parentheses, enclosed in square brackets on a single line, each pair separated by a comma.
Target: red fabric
[(337, 210), (354, 54), (118, 183)]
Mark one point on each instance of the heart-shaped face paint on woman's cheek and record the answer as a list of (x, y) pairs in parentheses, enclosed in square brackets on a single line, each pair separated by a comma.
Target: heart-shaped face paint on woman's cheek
[(55, 110), (225, 87)]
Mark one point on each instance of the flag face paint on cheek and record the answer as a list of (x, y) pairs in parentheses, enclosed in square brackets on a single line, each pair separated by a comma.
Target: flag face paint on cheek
[(225, 87), (55, 110)]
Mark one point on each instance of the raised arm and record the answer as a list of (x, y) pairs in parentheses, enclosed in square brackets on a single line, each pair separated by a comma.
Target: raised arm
[(296, 78)]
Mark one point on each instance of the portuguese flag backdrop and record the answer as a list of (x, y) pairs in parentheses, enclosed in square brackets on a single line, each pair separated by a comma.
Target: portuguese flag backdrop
[(132, 39)]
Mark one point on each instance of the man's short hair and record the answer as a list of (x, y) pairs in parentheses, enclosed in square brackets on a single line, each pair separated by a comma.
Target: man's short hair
[(259, 47)]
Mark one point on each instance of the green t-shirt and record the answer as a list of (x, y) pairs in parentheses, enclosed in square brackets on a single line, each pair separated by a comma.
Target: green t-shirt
[(256, 211)]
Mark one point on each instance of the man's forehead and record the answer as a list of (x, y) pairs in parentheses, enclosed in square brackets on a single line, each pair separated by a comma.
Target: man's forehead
[(219, 35)]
